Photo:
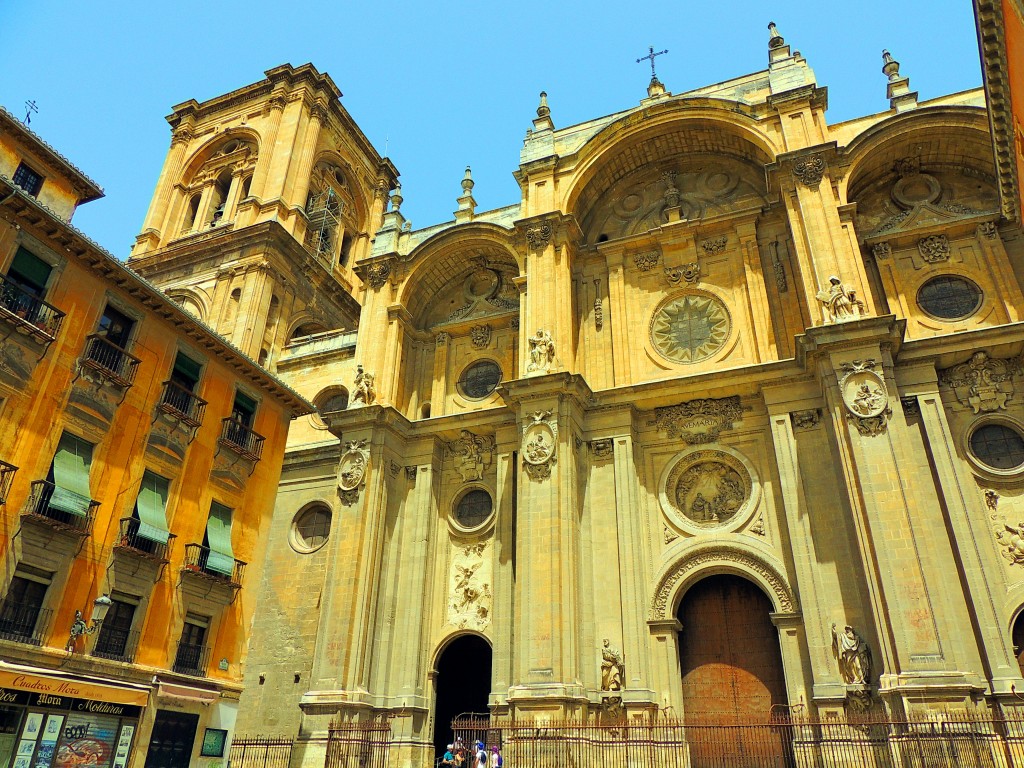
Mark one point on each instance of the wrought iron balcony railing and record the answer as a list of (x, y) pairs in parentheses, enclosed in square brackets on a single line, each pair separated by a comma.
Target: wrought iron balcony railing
[(110, 360), (29, 312), (241, 439), (191, 659), (116, 644), (6, 478), (197, 559), (130, 540), (24, 623), (181, 402), (39, 507)]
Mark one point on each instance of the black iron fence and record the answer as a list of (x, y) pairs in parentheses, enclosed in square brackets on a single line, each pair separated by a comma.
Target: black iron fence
[(182, 403), (260, 752), (7, 472), (191, 659), (116, 644), (130, 539), (993, 740), (111, 360), (39, 507), (197, 560), (24, 622), (358, 745), (241, 439), (32, 312)]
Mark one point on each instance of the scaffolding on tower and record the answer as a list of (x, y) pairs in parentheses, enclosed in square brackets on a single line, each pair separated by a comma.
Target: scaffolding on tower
[(323, 210)]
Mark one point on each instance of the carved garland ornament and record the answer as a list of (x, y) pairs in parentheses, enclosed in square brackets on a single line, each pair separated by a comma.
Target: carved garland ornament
[(809, 170), (934, 249), (540, 438), (865, 396), (661, 604), (698, 421), (715, 245), (645, 262), (689, 272)]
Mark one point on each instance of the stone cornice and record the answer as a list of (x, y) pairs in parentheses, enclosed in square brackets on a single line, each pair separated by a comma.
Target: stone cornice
[(63, 238)]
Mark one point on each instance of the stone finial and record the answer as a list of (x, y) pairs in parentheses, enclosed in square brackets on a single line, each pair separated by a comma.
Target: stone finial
[(396, 198), (543, 110), (467, 205), (901, 98), (543, 120), (775, 40), (778, 51)]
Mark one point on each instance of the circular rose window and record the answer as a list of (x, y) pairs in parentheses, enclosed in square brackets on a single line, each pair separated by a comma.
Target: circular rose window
[(473, 508), (480, 379), (690, 328), (949, 297), (998, 447)]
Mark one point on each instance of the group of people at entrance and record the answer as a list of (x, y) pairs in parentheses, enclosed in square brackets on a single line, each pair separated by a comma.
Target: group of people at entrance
[(457, 756)]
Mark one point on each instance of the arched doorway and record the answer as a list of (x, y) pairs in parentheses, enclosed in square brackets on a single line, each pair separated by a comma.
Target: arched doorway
[(1017, 637), (732, 670), (462, 684)]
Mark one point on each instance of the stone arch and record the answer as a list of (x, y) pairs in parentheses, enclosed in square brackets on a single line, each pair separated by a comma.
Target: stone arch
[(190, 300), (201, 155), (695, 562), (449, 258), (686, 125), (300, 320), (358, 193), (450, 637)]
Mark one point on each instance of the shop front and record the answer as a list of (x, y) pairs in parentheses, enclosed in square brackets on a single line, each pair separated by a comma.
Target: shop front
[(64, 722)]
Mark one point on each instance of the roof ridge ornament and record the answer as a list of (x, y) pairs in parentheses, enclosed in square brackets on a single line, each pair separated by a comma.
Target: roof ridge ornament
[(543, 120), (901, 98), (775, 40)]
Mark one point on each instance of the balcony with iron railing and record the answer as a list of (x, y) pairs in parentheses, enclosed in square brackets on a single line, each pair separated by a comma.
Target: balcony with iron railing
[(39, 509), (24, 623), (6, 478), (182, 403), (241, 439), (197, 562), (27, 312), (109, 360), (191, 659), (131, 542), (116, 644)]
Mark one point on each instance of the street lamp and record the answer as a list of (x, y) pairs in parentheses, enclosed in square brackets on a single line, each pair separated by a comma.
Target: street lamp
[(100, 606)]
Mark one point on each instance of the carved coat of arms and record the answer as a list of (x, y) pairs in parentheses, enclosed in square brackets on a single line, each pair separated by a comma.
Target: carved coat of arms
[(865, 396), (983, 383), (540, 437), (352, 469)]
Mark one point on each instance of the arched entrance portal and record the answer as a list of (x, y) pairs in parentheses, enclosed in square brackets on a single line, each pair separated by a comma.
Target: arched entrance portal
[(462, 684), (731, 666)]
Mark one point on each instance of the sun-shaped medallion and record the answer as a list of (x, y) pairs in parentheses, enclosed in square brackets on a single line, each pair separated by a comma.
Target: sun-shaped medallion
[(690, 328)]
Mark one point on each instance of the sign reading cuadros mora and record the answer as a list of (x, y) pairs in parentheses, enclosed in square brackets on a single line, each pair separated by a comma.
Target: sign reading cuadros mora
[(47, 688)]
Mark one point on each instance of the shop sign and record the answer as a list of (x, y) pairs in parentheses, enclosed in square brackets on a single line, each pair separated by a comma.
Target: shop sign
[(53, 689)]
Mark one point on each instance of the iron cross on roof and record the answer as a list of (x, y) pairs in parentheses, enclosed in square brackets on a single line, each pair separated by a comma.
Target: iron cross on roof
[(651, 55)]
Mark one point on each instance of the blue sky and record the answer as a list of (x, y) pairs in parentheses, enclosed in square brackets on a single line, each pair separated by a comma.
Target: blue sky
[(440, 84)]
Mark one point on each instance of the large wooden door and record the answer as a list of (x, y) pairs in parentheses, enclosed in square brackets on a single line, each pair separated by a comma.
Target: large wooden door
[(174, 735), (732, 674)]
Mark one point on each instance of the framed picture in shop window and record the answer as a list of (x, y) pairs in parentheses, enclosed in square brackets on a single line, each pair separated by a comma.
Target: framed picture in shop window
[(213, 742)]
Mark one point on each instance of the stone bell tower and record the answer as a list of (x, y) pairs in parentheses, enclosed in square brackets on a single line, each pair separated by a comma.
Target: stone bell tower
[(268, 197)]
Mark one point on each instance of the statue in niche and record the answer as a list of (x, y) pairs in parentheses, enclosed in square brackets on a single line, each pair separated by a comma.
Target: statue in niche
[(472, 455), (853, 655), (542, 352), (841, 304), (612, 667), (364, 390)]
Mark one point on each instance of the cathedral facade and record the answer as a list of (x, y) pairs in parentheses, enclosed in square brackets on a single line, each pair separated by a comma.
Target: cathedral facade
[(722, 418)]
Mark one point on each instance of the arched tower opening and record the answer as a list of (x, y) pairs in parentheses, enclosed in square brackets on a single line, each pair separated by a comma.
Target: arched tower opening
[(462, 685)]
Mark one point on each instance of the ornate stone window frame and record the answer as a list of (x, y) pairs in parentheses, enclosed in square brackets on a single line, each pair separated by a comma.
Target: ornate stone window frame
[(980, 467), (462, 370), (483, 528), (295, 540), (692, 456), (947, 272)]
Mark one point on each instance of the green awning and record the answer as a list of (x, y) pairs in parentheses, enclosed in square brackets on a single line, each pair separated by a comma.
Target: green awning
[(187, 367), (152, 508), (71, 476), (221, 558)]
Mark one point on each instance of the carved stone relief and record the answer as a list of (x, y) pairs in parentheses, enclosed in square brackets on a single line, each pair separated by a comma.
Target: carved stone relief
[(806, 419), (472, 455), (988, 230), (489, 289), (542, 353), (690, 328), (469, 606), (352, 470), (613, 670), (715, 245), (983, 383), (809, 170), (865, 396), (598, 306), (540, 438), (699, 421), (15, 365), (708, 489), (690, 273), (364, 392), (538, 235), (934, 248), (645, 262), (603, 448), (881, 251), (480, 336), (839, 302), (853, 655)]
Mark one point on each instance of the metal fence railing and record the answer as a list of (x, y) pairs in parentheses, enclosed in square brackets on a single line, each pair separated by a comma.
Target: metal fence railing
[(109, 359), (260, 752), (963, 740), (241, 439), (358, 745)]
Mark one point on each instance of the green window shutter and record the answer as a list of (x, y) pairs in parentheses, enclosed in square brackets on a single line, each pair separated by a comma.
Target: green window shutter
[(71, 463), (244, 404), (30, 268), (218, 535), (188, 367), (152, 508)]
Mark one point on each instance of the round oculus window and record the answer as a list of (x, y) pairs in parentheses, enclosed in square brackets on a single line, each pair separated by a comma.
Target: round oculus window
[(949, 297), (998, 446), (311, 528), (480, 379), (473, 508), (690, 328)]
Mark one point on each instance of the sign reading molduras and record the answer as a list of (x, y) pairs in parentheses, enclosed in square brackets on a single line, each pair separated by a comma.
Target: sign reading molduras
[(69, 694)]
